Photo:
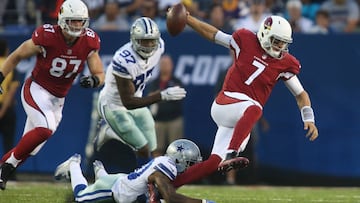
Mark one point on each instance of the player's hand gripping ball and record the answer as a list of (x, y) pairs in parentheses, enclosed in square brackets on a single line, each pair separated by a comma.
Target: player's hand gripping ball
[(176, 19)]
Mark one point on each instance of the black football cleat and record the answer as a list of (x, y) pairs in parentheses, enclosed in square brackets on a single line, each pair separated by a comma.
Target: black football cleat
[(232, 161), (6, 170)]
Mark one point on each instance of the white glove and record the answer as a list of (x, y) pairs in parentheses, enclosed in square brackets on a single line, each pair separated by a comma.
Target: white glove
[(173, 93)]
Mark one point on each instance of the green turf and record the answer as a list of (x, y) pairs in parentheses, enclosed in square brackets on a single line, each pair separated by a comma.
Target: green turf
[(44, 192)]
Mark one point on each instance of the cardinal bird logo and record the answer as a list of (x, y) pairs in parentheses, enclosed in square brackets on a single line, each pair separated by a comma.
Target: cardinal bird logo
[(268, 23)]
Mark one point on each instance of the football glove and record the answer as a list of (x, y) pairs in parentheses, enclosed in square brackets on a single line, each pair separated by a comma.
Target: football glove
[(173, 93), (89, 81)]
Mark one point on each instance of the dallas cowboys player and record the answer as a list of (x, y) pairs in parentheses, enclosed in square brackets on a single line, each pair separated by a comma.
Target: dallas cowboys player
[(121, 103), (123, 188)]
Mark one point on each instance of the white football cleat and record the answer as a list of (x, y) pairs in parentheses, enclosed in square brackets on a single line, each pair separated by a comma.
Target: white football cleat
[(63, 170), (101, 137), (99, 169), (104, 137)]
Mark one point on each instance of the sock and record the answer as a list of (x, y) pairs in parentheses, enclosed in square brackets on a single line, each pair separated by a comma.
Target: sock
[(27, 144), (243, 127), (101, 173), (198, 171), (30, 141), (78, 180), (13, 161), (111, 134), (7, 155)]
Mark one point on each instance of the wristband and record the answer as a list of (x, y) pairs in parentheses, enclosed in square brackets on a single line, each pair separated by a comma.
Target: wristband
[(307, 114), (96, 80)]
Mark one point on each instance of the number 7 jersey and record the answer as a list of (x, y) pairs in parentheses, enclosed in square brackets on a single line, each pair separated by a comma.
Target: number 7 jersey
[(254, 72), (59, 64)]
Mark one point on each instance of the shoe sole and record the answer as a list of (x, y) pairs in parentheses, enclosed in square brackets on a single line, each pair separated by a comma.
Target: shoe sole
[(235, 163)]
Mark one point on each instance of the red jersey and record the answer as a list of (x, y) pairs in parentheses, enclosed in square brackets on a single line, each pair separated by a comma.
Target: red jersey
[(254, 72), (59, 64)]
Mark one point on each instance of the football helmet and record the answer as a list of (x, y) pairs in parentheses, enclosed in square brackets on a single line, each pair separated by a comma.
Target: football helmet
[(184, 153), (144, 35), (274, 35), (73, 10)]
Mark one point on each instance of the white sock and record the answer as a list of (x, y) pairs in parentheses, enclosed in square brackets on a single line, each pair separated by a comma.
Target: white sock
[(12, 160), (101, 173), (77, 178), (111, 134)]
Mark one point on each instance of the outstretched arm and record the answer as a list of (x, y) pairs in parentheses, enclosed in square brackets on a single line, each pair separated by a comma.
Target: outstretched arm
[(204, 29), (208, 31), (127, 90), (304, 104), (167, 190)]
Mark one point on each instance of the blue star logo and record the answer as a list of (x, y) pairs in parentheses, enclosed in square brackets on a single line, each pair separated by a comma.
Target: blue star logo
[(180, 148)]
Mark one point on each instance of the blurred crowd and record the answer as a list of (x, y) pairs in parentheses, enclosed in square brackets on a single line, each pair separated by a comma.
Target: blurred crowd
[(305, 16)]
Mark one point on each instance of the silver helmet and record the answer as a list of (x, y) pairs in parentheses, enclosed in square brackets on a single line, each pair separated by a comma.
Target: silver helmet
[(144, 36), (184, 153)]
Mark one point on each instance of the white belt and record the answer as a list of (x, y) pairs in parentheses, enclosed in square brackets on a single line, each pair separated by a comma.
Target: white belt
[(242, 96)]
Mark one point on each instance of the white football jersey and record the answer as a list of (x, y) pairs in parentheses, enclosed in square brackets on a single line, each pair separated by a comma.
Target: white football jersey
[(128, 64), (128, 188)]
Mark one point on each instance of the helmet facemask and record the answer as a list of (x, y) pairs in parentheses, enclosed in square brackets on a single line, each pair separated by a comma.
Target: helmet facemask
[(73, 17), (74, 27), (277, 47), (145, 35), (146, 47)]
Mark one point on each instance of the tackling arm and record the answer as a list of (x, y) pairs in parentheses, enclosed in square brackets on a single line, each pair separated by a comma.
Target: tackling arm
[(126, 90), (167, 190)]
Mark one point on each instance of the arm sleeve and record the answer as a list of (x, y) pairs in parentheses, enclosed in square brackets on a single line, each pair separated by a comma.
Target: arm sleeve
[(294, 85), (223, 39)]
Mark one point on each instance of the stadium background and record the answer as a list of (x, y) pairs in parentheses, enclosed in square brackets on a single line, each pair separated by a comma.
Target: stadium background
[(330, 73)]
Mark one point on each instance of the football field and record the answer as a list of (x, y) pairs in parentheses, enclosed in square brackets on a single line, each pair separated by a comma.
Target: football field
[(49, 192)]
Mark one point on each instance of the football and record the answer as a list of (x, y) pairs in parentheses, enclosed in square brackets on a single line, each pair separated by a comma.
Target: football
[(176, 19)]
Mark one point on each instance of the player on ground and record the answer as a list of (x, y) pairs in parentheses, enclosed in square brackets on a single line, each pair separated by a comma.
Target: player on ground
[(124, 188), (121, 103), (260, 60), (61, 51)]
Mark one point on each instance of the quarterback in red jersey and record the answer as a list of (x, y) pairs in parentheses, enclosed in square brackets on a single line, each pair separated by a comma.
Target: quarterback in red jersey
[(61, 51), (260, 60)]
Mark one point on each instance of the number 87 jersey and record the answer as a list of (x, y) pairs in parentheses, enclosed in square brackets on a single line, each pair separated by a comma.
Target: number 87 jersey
[(59, 63), (254, 72)]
